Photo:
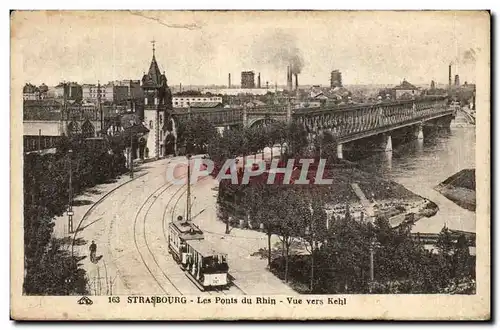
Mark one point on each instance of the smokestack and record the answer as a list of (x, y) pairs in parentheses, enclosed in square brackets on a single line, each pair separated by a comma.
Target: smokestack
[(180, 87), (258, 81), (229, 81), (290, 78), (287, 76), (449, 75), (296, 81)]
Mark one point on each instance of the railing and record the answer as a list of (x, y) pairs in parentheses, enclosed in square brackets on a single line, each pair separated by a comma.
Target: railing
[(347, 118), (362, 120)]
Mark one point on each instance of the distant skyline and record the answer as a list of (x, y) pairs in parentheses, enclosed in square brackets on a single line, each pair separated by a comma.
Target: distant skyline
[(201, 48)]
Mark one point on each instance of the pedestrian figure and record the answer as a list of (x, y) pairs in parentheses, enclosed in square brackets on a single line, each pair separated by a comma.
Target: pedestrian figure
[(92, 248)]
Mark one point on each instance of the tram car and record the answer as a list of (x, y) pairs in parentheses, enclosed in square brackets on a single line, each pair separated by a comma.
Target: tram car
[(180, 232), (205, 266), (202, 264)]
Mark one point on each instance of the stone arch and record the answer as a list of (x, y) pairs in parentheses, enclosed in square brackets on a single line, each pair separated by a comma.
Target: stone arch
[(170, 144), (88, 129), (73, 128), (170, 126), (254, 122)]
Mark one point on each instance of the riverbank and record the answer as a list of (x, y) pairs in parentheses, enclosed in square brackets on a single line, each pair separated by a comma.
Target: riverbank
[(361, 194), (460, 188)]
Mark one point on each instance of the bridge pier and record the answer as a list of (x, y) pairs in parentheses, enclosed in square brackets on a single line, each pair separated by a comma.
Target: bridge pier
[(387, 143), (419, 132), (441, 122), (340, 154), (245, 116)]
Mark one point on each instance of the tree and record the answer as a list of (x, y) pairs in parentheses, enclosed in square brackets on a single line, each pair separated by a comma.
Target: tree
[(49, 268), (292, 211), (296, 138), (328, 146), (275, 133), (195, 134), (315, 229)]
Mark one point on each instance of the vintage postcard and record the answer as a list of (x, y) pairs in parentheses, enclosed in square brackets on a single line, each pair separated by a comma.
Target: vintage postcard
[(259, 165)]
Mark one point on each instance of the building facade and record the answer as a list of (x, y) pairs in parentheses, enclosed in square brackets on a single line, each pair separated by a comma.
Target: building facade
[(335, 79), (134, 90), (45, 121), (156, 115), (31, 92), (111, 92), (405, 90), (247, 79), (185, 101), (69, 90)]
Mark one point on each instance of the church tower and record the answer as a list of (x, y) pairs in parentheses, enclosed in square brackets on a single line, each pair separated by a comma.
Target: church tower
[(157, 108)]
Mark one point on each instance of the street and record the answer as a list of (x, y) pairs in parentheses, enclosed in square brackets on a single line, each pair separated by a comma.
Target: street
[(130, 225)]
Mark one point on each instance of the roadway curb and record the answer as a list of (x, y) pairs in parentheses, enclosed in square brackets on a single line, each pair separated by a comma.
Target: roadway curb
[(99, 201)]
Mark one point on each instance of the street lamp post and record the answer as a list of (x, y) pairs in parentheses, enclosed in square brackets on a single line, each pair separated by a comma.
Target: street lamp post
[(373, 244), (70, 192), (131, 160), (132, 125), (371, 263), (188, 207)]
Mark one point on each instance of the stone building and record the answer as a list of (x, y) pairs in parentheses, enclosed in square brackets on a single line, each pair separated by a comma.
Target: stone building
[(405, 90), (156, 113)]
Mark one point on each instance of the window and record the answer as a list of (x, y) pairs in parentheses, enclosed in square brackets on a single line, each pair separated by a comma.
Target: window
[(150, 124)]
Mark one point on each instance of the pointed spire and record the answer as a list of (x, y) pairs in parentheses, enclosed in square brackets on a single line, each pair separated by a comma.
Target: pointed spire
[(153, 77)]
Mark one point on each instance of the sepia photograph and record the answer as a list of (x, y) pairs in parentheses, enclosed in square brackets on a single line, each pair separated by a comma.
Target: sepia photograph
[(258, 165)]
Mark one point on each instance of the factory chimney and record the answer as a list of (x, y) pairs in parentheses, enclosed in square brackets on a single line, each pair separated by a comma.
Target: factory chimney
[(287, 76), (229, 81), (290, 78), (258, 81), (449, 75), (296, 81)]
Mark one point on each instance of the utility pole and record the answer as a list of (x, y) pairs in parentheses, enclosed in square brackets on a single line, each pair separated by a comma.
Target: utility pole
[(70, 191), (373, 245), (371, 263), (131, 160), (40, 141), (188, 207), (100, 106)]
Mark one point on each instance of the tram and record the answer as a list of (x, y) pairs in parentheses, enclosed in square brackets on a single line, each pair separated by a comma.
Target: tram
[(202, 263)]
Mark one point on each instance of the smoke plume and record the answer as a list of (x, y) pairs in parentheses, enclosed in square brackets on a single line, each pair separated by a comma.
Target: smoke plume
[(278, 50), (467, 57)]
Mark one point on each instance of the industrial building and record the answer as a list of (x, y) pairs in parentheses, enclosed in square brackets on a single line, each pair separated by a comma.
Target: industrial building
[(184, 101), (335, 79), (247, 79)]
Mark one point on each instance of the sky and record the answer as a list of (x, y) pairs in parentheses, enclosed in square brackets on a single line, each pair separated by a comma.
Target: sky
[(201, 48)]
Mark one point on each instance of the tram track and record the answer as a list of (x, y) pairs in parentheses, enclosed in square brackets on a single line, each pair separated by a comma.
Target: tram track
[(152, 197), (233, 285)]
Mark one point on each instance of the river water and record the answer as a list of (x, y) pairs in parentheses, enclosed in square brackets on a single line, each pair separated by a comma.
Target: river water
[(421, 165)]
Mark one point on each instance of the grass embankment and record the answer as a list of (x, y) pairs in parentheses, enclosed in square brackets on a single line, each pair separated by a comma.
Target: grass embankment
[(391, 200), (460, 188)]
